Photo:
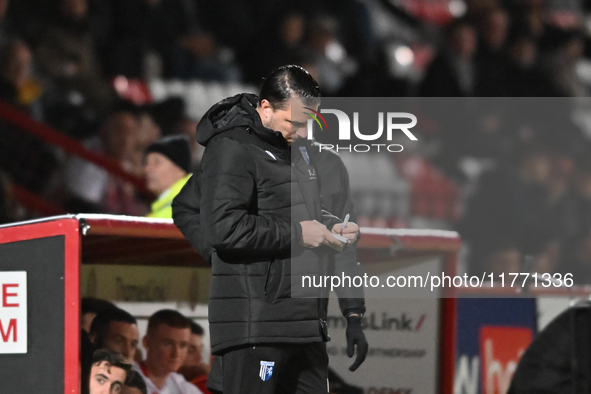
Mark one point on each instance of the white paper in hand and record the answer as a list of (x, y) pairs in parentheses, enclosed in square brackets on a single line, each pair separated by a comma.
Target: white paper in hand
[(340, 238), (344, 242)]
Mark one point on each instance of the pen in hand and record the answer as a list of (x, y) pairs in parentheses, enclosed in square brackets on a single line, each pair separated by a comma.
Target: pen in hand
[(345, 223)]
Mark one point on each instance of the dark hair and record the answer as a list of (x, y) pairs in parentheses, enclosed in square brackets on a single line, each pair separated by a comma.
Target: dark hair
[(286, 82), (135, 380), (100, 324), (196, 329), (113, 358), (170, 318), (94, 305)]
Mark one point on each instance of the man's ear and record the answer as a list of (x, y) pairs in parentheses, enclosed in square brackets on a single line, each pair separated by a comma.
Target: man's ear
[(93, 337), (266, 108)]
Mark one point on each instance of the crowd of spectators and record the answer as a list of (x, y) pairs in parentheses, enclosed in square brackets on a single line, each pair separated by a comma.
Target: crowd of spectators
[(526, 202), (61, 56), (174, 359), (173, 344)]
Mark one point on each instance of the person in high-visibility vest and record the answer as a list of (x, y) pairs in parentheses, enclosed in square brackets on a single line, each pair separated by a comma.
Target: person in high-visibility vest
[(167, 169)]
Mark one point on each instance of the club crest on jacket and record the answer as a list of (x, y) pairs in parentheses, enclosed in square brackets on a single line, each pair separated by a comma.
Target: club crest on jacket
[(266, 370)]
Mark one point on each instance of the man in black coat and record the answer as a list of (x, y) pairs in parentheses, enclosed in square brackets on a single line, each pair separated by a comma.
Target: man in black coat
[(254, 211)]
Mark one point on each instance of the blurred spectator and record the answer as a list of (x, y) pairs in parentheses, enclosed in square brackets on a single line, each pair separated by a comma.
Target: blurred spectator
[(126, 147), (562, 64), (478, 9), (287, 39), (167, 30), (511, 205), (523, 75), (529, 16), (485, 136), (86, 183), (253, 24), (170, 117), (135, 384), (168, 166), (291, 33), (166, 343), (503, 258), (123, 137), (8, 204), (560, 211), (453, 72), (548, 260), (490, 57), (195, 352), (357, 30), (577, 260), (287, 27), (109, 372), (375, 78), (90, 307), (17, 85), (66, 53), (327, 54), (494, 31), (194, 369), (116, 330), (147, 132)]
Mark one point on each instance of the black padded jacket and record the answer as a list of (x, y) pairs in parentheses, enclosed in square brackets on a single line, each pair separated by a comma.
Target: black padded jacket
[(242, 213)]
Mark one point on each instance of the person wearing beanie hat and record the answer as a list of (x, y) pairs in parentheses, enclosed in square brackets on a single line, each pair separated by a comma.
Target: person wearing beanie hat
[(167, 169)]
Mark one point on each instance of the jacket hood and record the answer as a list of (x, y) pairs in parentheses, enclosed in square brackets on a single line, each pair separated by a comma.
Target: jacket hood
[(233, 112)]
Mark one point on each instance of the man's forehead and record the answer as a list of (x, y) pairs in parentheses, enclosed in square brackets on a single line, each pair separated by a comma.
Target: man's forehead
[(106, 367), (164, 330)]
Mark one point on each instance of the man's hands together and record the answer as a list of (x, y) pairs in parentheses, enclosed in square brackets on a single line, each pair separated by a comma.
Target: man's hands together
[(315, 234), (350, 231)]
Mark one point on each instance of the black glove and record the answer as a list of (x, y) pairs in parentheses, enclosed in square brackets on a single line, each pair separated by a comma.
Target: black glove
[(355, 336)]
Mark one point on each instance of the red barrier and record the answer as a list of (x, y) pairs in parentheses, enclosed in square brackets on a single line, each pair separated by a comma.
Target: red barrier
[(52, 136), (34, 203)]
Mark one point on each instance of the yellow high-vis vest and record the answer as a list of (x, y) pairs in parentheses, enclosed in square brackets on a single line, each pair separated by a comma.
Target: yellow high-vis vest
[(162, 207)]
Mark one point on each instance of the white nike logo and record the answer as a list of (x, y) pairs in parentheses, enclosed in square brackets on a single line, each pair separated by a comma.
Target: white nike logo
[(270, 154)]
